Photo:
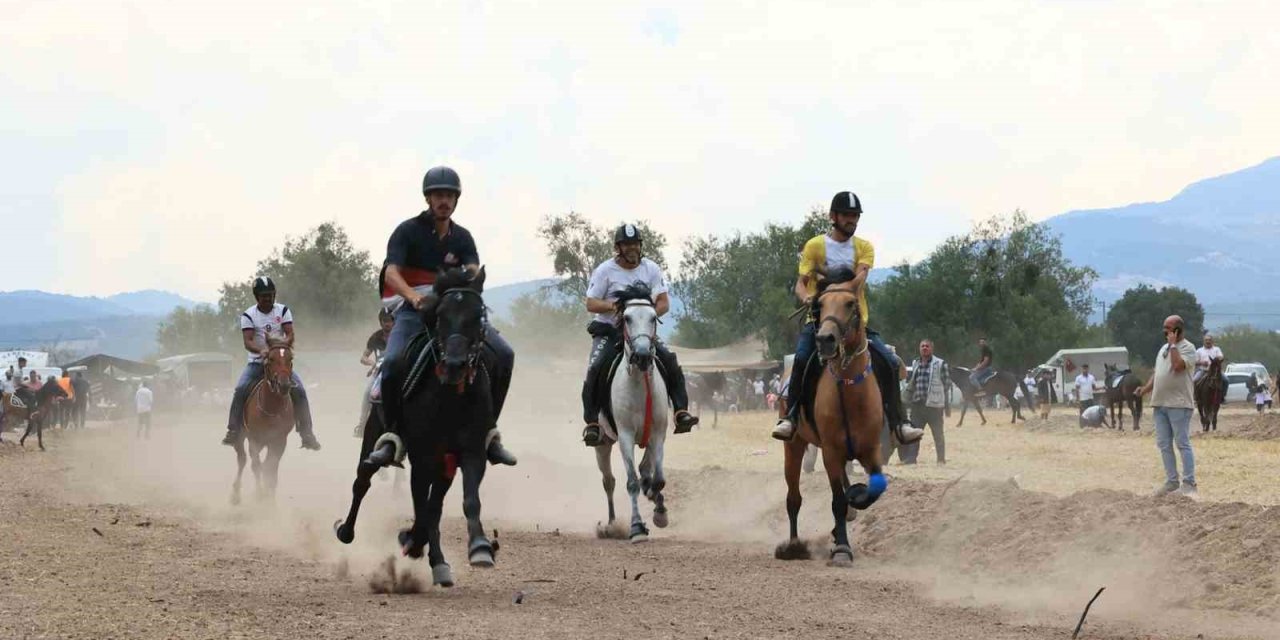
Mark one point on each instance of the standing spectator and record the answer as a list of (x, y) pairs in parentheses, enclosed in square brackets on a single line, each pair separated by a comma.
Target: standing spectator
[(21, 372), (81, 388), (64, 405), (757, 388), (929, 391), (1172, 399), (1044, 391), (143, 401), (1085, 383), (1262, 398)]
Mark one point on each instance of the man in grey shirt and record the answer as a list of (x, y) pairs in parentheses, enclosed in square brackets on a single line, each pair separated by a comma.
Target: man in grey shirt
[(1173, 399)]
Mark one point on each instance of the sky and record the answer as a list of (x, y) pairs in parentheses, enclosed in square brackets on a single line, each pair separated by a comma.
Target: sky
[(172, 145)]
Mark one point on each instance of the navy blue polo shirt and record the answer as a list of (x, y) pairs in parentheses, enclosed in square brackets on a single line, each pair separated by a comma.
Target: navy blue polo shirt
[(418, 252)]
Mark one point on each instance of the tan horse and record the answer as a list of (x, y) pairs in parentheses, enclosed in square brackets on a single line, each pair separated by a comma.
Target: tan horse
[(268, 419), (845, 422)]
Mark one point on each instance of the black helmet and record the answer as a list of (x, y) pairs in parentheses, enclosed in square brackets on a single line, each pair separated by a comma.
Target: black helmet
[(263, 284), (441, 178), (627, 233), (846, 202)]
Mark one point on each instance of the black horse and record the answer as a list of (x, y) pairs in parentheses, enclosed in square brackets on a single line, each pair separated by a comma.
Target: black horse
[(440, 404), (1002, 383), (1122, 390)]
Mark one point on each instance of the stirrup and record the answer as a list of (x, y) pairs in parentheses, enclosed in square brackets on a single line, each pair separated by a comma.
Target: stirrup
[(784, 435)]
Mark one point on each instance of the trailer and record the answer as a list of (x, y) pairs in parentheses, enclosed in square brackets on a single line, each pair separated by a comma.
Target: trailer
[(1066, 365)]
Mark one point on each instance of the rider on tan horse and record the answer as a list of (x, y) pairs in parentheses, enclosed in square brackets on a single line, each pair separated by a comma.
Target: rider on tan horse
[(609, 278), (823, 254), (259, 324)]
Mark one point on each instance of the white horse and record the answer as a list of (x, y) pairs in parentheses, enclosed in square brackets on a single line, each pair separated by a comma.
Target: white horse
[(638, 396)]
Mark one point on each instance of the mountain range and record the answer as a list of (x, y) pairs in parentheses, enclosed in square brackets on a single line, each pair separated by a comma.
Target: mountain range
[(1213, 238)]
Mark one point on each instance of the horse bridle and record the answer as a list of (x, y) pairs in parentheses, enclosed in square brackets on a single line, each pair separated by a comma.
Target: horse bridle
[(275, 387), (627, 338), (847, 331), (473, 351)]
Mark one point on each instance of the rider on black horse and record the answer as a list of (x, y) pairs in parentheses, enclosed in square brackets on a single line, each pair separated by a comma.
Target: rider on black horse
[(626, 268), (839, 248), (419, 247)]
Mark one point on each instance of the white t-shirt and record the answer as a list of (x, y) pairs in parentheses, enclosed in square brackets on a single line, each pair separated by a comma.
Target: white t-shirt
[(1094, 414), (839, 253), (1205, 355), (143, 400), (610, 278), (1084, 385), (265, 324), (759, 387)]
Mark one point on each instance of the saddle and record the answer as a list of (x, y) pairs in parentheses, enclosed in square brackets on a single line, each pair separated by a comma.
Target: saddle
[(603, 387), (16, 402), (1117, 377)]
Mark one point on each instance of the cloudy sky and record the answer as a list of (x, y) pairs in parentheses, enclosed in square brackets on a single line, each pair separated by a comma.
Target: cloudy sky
[(172, 144)]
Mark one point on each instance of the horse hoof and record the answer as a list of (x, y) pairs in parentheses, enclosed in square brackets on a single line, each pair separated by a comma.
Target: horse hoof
[(859, 497), (442, 574), (639, 533), (235, 499), (841, 556), (660, 518), (481, 554), (792, 550), (612, 531), (345, 534), (408, 546)]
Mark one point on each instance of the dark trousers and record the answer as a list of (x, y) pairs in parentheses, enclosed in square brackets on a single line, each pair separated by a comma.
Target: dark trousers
[(605, 344), (81, 407), (925, 415)]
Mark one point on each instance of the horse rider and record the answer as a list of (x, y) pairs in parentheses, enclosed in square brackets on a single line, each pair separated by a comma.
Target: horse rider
[(626, 268), (1205, 356), (982, 371), (839, 247), (267, 319), (418, 248), (374, 348)]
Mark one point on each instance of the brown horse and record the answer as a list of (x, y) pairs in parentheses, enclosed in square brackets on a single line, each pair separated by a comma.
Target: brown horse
[(1122, 390), (1209, 395), (844, 420), (268, 419)]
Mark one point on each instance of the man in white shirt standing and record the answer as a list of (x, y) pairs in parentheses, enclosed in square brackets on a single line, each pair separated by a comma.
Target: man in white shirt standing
[(1084, 390), (1172, 401), (627, 267), (143, 401)]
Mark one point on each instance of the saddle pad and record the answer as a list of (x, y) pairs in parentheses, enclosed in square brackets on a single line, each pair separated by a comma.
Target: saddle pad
[(16, 402)]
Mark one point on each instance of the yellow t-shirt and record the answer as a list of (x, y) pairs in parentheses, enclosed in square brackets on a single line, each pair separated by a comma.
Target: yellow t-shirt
[(822, 253)]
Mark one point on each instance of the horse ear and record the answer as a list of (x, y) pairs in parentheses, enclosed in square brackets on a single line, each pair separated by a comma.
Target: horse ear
[(477, 282)]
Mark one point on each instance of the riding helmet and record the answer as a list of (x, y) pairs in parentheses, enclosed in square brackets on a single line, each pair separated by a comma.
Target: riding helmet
[(263, 284), (442, 178), (846, 202), (627, 233)]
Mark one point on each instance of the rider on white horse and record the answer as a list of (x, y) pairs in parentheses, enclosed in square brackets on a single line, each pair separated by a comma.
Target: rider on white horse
[(418, 248), (266, 319), (612, 276), (839, 248)]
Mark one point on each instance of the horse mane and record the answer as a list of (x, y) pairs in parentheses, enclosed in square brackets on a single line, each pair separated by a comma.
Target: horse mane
[(276, 343), (455, 278), (838, 275), (634, 291)]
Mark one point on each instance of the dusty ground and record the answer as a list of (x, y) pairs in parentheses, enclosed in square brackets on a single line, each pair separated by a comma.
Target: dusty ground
[(956, 551)]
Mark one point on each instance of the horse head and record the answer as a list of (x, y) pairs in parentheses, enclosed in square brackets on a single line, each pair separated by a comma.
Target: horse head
[(459, 322), (278, 367), (839, 315), (639, 320)]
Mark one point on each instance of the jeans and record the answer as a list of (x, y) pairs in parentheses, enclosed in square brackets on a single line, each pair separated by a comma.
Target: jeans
[(980, 376), (409, 324), (1173, 427), (806, 344), (253, 372)]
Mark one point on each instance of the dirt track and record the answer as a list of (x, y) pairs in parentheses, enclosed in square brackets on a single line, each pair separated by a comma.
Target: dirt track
[(973, 559)]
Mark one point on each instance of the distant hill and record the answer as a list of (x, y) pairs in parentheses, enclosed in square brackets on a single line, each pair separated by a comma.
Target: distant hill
[(32, 307), (501, 301), (1215, 238)]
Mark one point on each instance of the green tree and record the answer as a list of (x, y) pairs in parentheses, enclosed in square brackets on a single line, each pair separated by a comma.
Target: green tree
[(320, 275), (1136, 318), (1244, 343), (577, 247), (200, 328), (1005, 280), (742, 285)]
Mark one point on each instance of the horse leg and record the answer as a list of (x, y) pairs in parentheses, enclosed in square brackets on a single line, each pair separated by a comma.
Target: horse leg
[(255, 463), (978, 405), (964, 408), (275, 451), (658, 480), (1136, 405), (422, 478), (479, 550), (441, 572), (241, 459), (833, 462), (626, 444), (792, 455), (346, 529), (604, 460)]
